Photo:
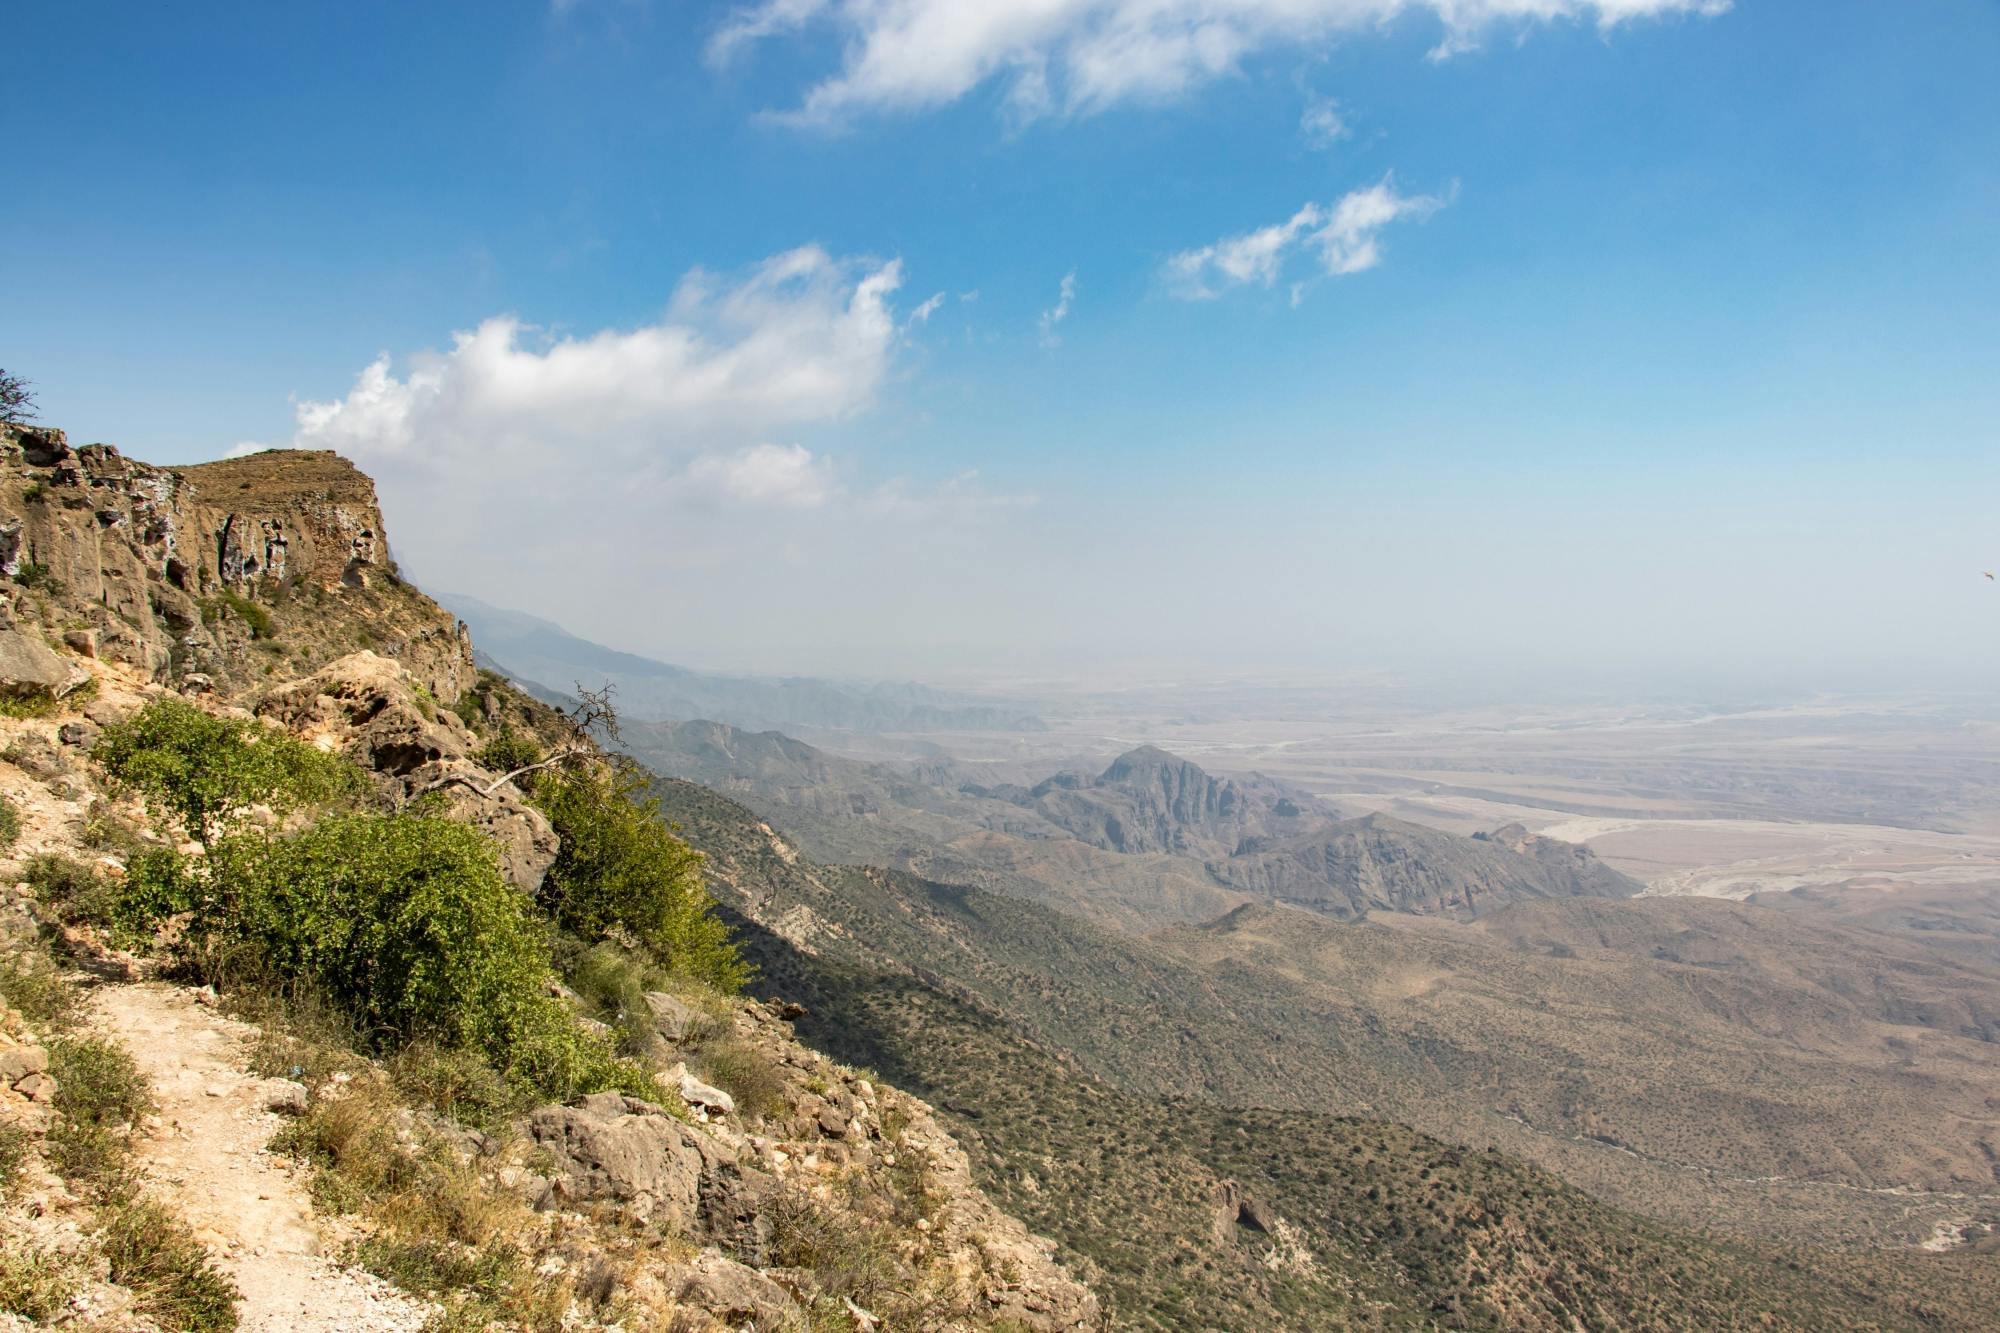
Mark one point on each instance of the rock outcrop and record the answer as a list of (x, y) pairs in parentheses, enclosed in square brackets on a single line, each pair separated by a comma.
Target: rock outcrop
[(222, 570), (1377, 863), (374, 710)]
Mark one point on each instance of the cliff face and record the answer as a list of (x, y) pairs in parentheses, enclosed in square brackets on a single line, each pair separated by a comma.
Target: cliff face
[(238, 571)]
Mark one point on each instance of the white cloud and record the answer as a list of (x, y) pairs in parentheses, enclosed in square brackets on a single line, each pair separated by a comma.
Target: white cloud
[(1343, 237), (1078, 56), (922, 314), (1321, 124), (802, 338), (774, 474), (1057, 313)]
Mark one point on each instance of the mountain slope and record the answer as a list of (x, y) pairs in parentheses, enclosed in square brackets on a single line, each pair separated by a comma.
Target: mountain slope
[(1150, 801), (539, 650), (1378, 863), (1066, 1057)]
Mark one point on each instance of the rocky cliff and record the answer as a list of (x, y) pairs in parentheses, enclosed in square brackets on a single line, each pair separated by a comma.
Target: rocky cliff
[(226, 574)]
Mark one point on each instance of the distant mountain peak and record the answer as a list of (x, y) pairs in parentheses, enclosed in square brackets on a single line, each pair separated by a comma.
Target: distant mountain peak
[(1143, 758)]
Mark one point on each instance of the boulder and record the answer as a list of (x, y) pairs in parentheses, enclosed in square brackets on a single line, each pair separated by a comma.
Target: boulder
[(674, 1019), (611, 1148), (734, 1293), (30, 667), (700, 1096)]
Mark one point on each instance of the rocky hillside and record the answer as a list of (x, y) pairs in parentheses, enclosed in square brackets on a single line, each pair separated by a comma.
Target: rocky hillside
[(1204, 1131), (1379, 863), (1147, 800), (183, 1156)]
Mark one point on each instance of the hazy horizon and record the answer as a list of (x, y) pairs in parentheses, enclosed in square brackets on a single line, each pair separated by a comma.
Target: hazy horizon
[(1645, 341)]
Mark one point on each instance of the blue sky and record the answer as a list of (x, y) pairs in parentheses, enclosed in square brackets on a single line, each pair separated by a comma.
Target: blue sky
[(1670, 338)]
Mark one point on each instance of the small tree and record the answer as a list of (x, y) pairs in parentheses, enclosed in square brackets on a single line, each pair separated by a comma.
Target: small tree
[(17, 399), (207, 772), (621, 868)]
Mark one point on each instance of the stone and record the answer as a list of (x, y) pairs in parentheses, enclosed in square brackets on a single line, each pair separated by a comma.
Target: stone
[(37, 1088), (832, 1123), (81, 641), (30, 667), (286, 1097), (81, 735), (197, 682), (733, 1292), (673, 1018), (611, 1148), (17, 1062), (699, 1094), (792, 1011)]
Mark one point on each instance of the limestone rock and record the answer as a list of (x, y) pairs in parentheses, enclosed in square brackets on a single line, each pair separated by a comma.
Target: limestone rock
[(731, 1292), (368, 706), (612, 1148), (30, 667), (673, 1018)]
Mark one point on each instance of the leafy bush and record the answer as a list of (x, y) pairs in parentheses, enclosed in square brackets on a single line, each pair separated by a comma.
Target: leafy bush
[(207, 772), (10, 824), (509, 752), (406, 922), (621, 868)]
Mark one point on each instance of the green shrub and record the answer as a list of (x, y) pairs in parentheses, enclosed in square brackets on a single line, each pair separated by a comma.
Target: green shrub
[(621, 868), (33, 1283), (38, 577), (28, 704), (32, 984), (406, 922), (10, 824), (207, 772), (509, 752), (156, 1255), (74, 891), (256, 617), (100, 1094)]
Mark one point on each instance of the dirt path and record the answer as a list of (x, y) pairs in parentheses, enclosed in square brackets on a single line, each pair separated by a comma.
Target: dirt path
[(208, 1155)]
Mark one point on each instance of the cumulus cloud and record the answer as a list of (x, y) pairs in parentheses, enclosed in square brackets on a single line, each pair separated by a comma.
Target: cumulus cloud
[(801, 338), (1057, 313), (1079, 56), (1341, 238), (1321, 125)]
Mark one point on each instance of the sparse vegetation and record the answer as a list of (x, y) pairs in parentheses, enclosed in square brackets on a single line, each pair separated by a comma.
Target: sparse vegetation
[(10, 824), (153, 1252), (35, 576), (17, 398), (34, 1283), (255, 617)]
